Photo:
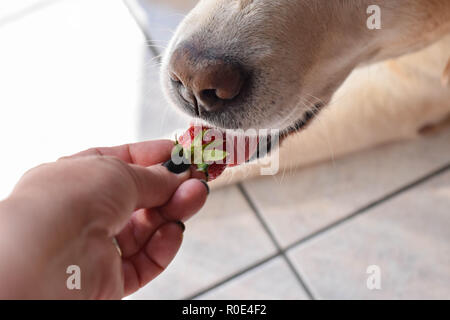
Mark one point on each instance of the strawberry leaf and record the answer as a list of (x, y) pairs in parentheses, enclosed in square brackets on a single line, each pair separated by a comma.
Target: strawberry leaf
[(214, 155), (203, 167)]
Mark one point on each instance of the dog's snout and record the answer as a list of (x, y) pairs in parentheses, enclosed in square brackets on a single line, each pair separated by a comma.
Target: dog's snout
[(207, 83)]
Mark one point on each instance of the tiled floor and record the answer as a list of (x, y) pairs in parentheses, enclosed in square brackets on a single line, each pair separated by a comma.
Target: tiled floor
[(406, 236), (308, 200), (317, 203), (311, 236)]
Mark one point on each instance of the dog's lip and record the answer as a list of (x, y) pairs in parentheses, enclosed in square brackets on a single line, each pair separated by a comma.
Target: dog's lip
[(302, 123), (298, 125)]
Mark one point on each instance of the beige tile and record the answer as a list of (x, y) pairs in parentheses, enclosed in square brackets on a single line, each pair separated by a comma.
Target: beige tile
[(222, 239), (407, 237), (302, 202), (270, 281)]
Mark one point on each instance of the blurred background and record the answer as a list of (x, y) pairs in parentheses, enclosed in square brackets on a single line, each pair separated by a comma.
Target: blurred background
[(75, 74)]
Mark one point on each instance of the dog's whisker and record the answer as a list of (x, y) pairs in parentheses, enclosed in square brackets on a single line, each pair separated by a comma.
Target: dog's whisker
[(317, 99), (291, 112), (153, 62), (171, 31), (156, 46), (316, 110), (156, 42)]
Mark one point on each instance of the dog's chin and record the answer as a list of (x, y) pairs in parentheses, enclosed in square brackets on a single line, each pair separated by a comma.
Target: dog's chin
[(297, 126), (303, 122)]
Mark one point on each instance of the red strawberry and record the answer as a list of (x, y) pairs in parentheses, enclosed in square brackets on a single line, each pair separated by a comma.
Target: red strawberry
[(215, 170), (205, 148), (186, 139)]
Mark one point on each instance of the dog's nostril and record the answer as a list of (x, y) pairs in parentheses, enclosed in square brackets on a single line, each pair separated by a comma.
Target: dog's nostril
[(209, 99), (209, 94), (213, 81)]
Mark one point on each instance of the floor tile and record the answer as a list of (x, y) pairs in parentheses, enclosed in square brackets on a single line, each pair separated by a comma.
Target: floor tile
[(179, 5), (12, 10), (157, 117), (304, 201), (406, 237), (222, 239), (68, 82), (162, 18), (270, 281)]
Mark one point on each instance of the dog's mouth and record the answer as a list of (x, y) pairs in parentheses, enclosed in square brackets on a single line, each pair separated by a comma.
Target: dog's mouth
[(269, 144), (306, 119), (244, 147)]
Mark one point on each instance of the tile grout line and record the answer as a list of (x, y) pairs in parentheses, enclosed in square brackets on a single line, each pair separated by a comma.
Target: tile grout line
[(233, 276), (133, 11), (26, 11), (138, 19), (370, 206), (280, 250), (323, 230)]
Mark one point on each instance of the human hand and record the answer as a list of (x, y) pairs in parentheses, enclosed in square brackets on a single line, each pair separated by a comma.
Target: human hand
[(68, 213)]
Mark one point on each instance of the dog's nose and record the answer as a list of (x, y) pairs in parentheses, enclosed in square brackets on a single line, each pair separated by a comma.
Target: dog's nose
[(208, 84)]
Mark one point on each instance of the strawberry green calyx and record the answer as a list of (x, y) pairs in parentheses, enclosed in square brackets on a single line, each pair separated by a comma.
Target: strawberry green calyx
[(203, 149), (203, 167)]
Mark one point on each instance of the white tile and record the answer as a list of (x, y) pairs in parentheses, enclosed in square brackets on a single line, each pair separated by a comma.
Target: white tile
[(407, 238), (163, 17), (222, 239), (273, 280), (157, 118), (69, 80), (178, 5), (309, 199), (11, 10)]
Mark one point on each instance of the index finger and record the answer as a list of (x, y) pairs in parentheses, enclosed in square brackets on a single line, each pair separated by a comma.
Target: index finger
[(145, 154)]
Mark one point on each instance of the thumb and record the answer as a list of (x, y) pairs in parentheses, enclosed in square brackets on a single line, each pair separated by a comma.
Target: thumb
[(155, 185), (142, 188), (446, 75)]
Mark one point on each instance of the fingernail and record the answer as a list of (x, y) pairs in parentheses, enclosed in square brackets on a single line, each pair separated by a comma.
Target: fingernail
[(206, 186), (181, 224), (176, 168)]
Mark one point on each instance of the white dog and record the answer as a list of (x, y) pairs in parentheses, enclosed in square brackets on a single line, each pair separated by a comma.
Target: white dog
[(283, 63)]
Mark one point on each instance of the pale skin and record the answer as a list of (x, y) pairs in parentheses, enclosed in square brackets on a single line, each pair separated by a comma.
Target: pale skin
[(68, 213)]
